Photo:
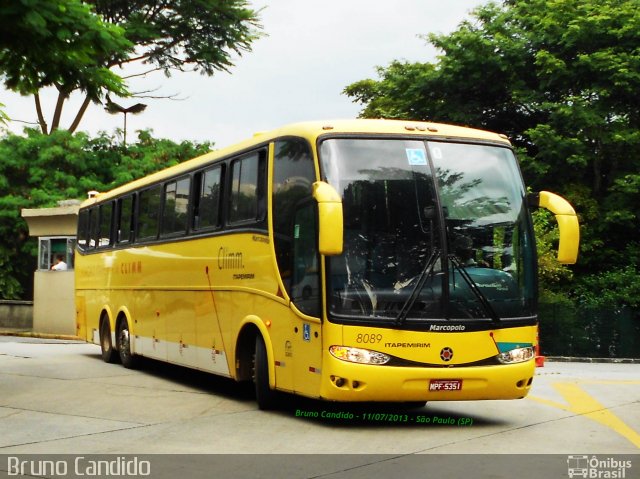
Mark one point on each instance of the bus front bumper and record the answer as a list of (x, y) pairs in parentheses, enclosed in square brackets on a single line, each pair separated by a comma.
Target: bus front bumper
[(345, 381)]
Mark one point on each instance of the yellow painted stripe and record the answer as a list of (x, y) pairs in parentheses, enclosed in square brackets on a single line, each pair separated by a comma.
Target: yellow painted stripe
[(581, 403), (607, 381)]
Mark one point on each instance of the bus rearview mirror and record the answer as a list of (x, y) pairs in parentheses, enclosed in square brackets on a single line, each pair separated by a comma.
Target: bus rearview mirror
[(568, 225), (329, 218)]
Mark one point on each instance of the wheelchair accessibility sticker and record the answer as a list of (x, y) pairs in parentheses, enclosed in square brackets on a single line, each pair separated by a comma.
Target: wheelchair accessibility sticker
[(306, 332), (416, 156)]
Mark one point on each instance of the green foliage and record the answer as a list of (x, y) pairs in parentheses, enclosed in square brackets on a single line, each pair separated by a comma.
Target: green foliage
[(10, 287), (3, 115), (38, 170), (176, 34), (615, 287), (73, 45), (58, 43), (560, 77), (551, 273)]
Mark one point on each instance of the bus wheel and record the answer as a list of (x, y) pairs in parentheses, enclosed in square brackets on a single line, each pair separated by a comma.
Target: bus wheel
[(265, 396), (127, 358), (109, 354)]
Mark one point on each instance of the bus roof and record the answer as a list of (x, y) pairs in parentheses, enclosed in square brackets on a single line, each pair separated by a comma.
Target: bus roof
[(311, 131)]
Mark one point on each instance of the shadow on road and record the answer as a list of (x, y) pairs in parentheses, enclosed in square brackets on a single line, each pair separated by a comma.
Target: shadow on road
[(331, 414)]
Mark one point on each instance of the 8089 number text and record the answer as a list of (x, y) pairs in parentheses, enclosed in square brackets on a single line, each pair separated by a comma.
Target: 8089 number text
[(368, 338)]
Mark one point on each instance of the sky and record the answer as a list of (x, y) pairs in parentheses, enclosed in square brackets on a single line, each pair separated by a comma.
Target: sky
[(311, 51)]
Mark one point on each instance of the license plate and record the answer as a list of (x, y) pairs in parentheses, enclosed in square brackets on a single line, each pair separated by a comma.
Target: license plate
[(445, 385)]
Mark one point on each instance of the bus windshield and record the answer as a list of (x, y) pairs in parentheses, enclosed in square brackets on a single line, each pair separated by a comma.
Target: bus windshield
[(432, 230)]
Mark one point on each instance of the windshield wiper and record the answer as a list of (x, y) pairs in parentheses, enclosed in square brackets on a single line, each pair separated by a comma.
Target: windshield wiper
[(486, 305), (415, 292)]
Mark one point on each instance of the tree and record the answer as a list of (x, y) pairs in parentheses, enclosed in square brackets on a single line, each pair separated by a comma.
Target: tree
[(38, 170), (3, 116), (59, 43), (560, 77), (74, 45)]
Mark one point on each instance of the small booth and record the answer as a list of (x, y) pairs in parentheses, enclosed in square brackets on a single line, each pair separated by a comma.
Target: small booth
[(53, 282)]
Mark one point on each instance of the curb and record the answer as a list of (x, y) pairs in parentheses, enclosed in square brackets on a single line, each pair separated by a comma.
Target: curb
[(573, 359), (32, 334)]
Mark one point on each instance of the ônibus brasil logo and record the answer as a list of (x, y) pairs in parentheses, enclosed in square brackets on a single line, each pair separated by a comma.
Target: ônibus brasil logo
[(594, 467)]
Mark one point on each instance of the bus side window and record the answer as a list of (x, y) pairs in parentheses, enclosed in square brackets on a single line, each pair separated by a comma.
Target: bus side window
[(175, 207), (148, 213), (206, 211), (104, 231), (83, 229), (124, 221), (305, 285), (293, 175), (247, 195), (93, 227)]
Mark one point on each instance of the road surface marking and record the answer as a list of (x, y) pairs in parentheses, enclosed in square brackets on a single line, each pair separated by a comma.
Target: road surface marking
[(581, 403)]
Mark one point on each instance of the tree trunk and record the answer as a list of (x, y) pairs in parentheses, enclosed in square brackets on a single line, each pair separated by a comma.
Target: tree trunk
[(62, 97), (41, 120), (79, 115)]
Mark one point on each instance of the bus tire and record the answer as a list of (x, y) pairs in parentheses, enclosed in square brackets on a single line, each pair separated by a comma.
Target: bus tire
[(109, 354), (265, 396), (127, 358)]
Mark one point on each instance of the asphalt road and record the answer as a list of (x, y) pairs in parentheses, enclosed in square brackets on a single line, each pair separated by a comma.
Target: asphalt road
[(58, 397)]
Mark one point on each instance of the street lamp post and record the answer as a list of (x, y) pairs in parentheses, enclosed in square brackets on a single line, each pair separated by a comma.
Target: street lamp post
[(114, 109)]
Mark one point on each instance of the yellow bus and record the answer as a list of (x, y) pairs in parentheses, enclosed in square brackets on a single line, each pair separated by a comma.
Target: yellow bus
[(360, 260)]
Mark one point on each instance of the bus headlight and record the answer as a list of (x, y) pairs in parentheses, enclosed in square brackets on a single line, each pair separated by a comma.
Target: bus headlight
[(518, 355), (358, 355)]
